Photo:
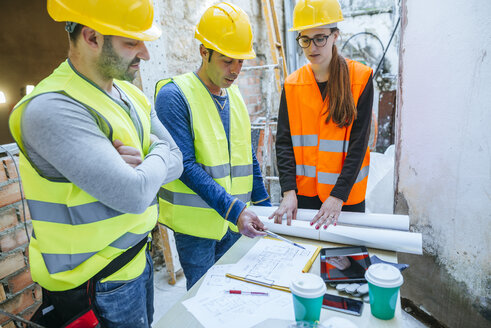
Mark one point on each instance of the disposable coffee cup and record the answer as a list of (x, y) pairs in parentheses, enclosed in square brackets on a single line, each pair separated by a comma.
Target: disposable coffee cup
[(384, 282), (308, 291)]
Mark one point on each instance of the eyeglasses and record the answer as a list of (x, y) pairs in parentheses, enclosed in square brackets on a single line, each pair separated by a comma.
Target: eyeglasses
[(319, 40)]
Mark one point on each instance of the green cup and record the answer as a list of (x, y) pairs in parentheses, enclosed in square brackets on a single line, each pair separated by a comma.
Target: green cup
[(384, 282), (308, 291)]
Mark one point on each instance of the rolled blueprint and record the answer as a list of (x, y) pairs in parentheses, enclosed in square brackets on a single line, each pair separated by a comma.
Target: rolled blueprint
[(384, 221), (392, 240)]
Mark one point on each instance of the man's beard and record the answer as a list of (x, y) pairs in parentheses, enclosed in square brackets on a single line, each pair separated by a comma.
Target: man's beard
[(113, 66)]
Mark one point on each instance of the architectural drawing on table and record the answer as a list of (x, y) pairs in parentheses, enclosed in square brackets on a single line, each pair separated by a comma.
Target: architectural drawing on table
[(273, 262), (215, 308)]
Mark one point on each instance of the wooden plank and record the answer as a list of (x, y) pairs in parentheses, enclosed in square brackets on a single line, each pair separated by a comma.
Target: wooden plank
[(171, 257), (272, 39), (278, 43)]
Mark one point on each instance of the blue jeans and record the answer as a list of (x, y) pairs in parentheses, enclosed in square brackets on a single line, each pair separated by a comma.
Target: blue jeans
[(197, 255), (129, 303)]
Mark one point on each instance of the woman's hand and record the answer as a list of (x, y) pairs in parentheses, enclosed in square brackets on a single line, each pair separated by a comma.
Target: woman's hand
[(328, 213), (289, 206)]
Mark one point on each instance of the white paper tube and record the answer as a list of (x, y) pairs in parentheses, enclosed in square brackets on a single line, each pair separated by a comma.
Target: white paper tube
[(392, 240), (301, 229), (384, 221)]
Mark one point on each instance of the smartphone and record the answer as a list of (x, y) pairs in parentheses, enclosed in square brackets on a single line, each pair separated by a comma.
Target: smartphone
[(342, 304)]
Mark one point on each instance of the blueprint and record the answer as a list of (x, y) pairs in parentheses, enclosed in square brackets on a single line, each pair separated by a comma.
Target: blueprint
[(213, 307), (273, 262)]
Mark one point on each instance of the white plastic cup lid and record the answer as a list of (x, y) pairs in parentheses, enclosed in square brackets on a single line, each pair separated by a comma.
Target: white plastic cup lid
[(384, 275), (338, 322), (308, 285)]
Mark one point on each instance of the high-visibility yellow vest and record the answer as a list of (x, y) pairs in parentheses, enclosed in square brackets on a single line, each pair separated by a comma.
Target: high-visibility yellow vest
[(230, 165), (75, 236)]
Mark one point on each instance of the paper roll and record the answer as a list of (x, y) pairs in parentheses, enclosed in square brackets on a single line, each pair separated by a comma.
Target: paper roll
[(384, 221), (392, 240)]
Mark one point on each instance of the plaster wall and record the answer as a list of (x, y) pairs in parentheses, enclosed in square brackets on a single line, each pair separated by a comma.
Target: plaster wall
[(443, 156), (177, 51), (374, 16)]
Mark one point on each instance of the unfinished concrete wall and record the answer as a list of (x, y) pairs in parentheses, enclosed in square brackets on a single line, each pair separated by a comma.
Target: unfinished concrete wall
[(366, 31), (443, 156), (177, 51)]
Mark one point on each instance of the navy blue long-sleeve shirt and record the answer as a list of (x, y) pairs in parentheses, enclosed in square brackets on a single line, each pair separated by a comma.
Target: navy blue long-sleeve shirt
[(172, 110)]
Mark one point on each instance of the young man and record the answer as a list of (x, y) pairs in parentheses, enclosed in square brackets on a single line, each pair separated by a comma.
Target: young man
[(93, 157), (207, 117)]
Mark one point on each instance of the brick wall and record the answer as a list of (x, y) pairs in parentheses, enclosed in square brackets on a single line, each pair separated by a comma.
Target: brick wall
[(251, 87), (18, 293)]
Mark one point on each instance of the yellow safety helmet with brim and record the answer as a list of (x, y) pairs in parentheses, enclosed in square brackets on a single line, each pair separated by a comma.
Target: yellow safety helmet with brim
[(128, 18), (226, 28), (316, 13)]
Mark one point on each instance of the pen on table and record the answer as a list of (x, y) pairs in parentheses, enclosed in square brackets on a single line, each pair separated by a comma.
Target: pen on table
[(241, 292), (272, 234)]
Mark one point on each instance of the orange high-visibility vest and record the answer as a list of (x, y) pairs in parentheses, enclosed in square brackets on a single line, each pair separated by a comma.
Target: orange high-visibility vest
[(320, 149)]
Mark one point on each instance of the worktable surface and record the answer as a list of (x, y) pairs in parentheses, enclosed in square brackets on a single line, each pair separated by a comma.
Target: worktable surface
[(178, 316)]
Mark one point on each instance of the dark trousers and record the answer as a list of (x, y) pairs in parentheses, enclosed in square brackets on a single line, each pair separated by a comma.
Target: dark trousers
[(197, 255)]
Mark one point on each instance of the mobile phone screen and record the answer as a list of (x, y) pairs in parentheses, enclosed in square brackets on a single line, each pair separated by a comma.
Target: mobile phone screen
[(342, 304)]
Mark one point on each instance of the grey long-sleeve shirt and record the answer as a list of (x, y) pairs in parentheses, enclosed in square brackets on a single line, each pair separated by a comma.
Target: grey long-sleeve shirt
[(63, 140)]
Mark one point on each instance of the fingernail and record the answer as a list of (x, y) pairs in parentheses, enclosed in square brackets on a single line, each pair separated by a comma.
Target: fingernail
[(311, 223), (325, 227), (317, 227), (335, 223)]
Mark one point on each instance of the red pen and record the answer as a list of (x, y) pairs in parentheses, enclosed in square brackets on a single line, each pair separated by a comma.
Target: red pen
[(241, 292)]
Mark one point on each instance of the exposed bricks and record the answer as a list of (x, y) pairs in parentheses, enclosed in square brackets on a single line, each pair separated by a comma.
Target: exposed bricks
[(10, 167), (18, 293), (20, 281), (11, 263), (3, 174), (17, 303), (38, 293), (28, 214), (13, 240), (27, 314), (8, 219), (3, 297), (9, 194), (9, 325)]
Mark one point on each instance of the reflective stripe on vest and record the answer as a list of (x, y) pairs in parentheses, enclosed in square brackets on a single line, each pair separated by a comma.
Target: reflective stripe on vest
[(64, 262), (305, 140), (181, 209), (73, 215), (179, 198), (75, 235), (222, 171), (320, 149)]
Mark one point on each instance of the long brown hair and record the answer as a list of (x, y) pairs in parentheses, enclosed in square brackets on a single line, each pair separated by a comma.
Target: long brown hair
[(342, 109)]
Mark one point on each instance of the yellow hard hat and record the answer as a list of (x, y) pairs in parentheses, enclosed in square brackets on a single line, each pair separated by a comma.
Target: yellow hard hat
[(314, 13), (129, 18), (226, 28)]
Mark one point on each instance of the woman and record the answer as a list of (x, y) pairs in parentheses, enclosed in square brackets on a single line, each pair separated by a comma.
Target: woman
[(323, 123)]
